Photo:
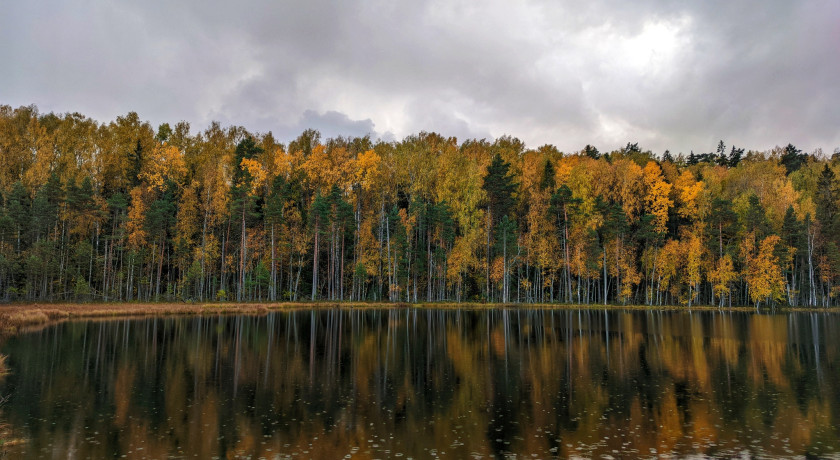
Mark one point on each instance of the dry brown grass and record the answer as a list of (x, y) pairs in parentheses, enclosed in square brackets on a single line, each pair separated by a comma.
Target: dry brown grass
[(14, 317)]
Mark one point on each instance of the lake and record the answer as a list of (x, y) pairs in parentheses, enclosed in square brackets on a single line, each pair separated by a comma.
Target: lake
[(409, 382)]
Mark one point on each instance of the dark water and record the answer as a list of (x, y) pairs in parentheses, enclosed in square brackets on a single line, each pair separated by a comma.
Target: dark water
[(423, 383)]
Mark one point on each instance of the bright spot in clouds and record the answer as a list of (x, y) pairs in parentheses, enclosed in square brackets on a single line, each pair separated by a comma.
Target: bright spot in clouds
[(654, 48)]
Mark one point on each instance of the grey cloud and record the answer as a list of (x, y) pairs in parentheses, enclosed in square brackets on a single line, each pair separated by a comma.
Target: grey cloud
[(756, 75), (753, 73), (333, 124), (330, 124)]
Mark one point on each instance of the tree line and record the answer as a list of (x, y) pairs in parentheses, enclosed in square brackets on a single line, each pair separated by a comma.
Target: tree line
[(125, 212)]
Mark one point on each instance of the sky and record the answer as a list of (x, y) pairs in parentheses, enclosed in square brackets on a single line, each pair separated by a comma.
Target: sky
[(670, 75)]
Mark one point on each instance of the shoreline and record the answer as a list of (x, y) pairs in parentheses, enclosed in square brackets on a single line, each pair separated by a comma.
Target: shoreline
[(15, 316)]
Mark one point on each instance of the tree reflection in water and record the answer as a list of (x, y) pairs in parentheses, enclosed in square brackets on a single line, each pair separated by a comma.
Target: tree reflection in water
[(413, 382)]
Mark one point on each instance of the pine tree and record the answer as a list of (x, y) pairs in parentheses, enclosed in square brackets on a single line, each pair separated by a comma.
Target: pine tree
[(755, 218), (792, 251), (500, 188), (792, 158), (826, 199), (243, 202), (506, 247), (18, 206), (45, 207), (721, 226), (273, 211), (735, 156), (563, 207)]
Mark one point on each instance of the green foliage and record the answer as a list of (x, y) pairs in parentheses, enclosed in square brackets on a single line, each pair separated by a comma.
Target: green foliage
[(81, 288), (826, 200), (505, 236), (755, 218), (722, 227), (792, 158), (500, 188)]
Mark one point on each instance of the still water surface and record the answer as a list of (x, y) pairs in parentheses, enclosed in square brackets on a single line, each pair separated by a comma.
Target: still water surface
[(423, 383)]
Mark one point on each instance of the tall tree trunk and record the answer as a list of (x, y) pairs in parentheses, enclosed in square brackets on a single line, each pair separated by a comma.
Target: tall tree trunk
[(315, 262), (487, 273), (812, 291), (605, 274), (242, 255), (391, 273), (341, 270), (204, 246), (429, 264), (160, 269), (381, 229), (504, 269), (273, 291), (568, 267)]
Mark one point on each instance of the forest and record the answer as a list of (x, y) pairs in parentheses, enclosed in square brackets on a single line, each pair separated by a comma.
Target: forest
[(123, 211)]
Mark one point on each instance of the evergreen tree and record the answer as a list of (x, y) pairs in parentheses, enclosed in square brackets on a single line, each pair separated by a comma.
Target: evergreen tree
[(755, 218), (80, 199), (136, 159), (319, 218), (693, 159), (548, 182), (721, 226), (735, 156), (792, 158), (826, 199), (45, 207), (793, 251), (563, 206), (18, 206), (243, 202), (506, 247), (720, 155), (159, 223), (275, 204), (500, 187)]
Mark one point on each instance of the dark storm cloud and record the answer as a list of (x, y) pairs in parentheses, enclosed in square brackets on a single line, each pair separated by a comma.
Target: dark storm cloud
[(675, 75)]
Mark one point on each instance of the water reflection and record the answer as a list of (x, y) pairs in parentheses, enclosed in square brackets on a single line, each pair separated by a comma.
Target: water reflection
[(420, 382)]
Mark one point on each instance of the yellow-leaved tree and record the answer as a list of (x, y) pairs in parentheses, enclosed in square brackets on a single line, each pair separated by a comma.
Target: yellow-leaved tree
[(761, 269), (722, 276), (688, 191), (657, 202), (166, 163), (695, 252)]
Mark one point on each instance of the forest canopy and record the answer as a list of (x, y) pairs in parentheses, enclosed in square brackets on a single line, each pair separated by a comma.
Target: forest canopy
[(124, 211)]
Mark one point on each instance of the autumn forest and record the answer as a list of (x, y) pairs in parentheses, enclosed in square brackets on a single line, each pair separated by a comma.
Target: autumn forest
[(124, 211)]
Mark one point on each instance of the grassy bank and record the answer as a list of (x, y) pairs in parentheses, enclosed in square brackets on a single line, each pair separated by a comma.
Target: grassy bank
[(15, 316)]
